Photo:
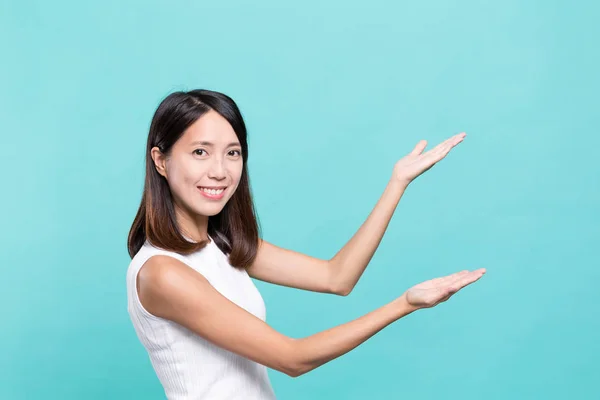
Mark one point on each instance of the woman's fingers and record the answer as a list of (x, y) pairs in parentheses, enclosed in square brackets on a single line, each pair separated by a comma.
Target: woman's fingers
[(447, 278), (443, 148), (466, 279), (426, 160), (451, 278), (449, 144), (419, 148), (440, 289), (450, 141)]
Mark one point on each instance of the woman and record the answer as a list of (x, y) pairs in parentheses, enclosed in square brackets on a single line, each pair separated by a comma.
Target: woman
[(195, 244)]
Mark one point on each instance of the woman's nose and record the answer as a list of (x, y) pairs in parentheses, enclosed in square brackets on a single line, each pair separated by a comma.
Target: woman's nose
[(217, 170)]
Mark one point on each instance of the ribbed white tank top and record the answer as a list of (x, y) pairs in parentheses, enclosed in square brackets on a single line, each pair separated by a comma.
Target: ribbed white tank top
[(188, 366)]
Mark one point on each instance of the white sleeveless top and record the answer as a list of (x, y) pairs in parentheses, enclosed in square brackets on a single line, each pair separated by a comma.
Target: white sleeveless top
[(188, 366)]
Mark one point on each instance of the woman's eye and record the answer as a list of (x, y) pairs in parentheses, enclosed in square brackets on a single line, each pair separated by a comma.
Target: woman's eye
[(235, 153), (197, 150)]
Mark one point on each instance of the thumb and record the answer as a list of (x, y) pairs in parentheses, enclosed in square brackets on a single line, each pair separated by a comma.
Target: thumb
[(419, 148)]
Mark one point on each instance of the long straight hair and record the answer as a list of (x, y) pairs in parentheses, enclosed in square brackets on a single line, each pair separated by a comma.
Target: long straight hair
[(235, 229)]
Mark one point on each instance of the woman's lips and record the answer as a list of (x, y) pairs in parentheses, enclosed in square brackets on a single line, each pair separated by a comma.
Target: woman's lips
[(208, 195)]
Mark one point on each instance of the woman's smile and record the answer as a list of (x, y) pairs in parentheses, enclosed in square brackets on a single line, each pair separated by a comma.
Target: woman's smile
[(213, 193)]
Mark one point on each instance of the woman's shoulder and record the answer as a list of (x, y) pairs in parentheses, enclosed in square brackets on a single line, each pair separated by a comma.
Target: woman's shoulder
[(148, 250)]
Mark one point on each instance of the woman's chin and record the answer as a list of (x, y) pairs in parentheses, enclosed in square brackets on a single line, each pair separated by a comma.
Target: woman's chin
[(210, 209)]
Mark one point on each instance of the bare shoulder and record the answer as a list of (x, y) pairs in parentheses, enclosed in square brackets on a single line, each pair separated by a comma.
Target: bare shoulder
[(164, 282), (160, 270)]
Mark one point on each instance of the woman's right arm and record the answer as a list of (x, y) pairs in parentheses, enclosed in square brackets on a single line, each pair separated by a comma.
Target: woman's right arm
[(170, 289)]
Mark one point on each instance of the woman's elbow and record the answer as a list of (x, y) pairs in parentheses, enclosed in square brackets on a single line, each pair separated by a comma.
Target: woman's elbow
[(293, 366), (295, 371)]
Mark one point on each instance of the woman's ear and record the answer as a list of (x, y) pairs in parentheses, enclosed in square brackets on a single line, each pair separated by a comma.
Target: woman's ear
[(160, 161)]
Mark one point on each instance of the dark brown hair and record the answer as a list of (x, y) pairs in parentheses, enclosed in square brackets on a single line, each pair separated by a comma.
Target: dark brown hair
[(235, 229)]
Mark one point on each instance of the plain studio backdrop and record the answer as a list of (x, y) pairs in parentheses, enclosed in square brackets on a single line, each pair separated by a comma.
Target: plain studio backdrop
[(333, 94)]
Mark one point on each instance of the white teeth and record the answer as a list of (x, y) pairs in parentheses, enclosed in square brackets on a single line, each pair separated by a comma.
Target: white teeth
[(212, 191)]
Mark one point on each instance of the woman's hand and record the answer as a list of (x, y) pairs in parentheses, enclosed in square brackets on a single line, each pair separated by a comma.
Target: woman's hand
[(416, 162), (432, 292)]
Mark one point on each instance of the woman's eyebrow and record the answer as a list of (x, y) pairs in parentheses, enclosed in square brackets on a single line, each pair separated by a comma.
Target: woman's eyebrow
[(210, 144)]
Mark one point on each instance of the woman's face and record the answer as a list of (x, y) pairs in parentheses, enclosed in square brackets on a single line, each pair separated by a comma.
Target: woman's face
[(204, 167)]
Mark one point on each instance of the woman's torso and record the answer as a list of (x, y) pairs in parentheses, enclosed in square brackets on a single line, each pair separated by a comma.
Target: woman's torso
[(188, 366)]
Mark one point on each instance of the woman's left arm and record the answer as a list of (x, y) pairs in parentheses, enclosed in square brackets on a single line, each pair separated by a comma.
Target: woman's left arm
[(350, 262), (340, 274)]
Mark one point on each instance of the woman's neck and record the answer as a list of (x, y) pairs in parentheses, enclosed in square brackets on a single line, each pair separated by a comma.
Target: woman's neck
[(193, 227)]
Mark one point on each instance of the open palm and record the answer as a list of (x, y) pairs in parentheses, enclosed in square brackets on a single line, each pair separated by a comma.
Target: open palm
[(416, 162), (432, 292)]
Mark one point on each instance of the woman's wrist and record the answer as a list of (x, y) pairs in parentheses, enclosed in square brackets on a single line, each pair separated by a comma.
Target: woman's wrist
[(398, 184), (403, 307)]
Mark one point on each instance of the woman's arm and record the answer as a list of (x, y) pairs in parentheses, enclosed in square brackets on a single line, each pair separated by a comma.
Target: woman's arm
[(348, 265), (172, 290), (290, 268), (340, 274)]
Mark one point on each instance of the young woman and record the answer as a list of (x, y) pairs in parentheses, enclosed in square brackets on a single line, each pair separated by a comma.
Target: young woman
[(195, 244)]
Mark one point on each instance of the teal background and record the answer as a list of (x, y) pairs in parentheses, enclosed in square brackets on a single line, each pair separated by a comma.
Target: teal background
[(333, 94)]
